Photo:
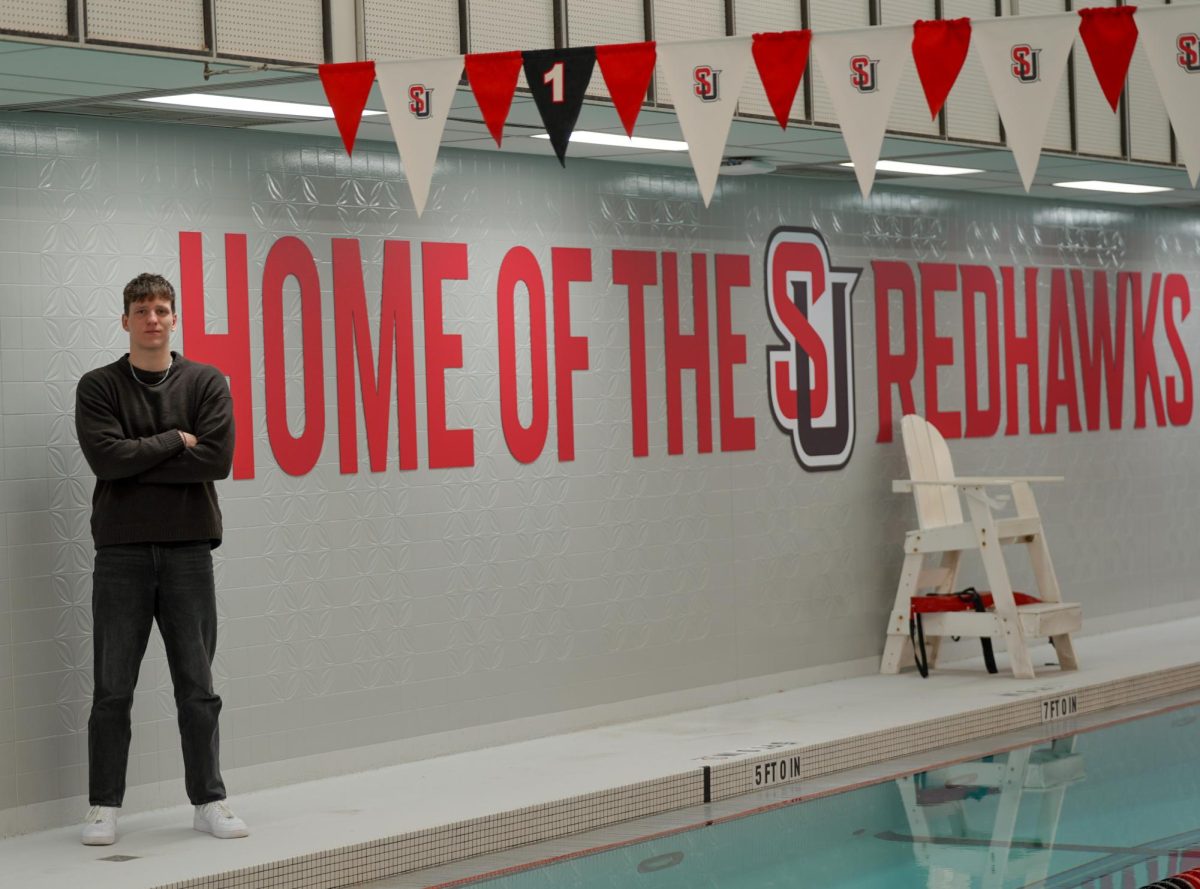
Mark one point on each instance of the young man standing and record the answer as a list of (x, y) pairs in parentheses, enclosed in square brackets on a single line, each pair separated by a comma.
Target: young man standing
[(157, 430)]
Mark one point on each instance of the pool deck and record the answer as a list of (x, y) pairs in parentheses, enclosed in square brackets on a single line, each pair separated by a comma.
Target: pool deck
[(354, 828)]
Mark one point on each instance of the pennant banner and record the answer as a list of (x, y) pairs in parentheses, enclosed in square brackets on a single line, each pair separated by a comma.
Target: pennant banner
[(1024, 59), (627, 69), (705, 80), (939, 50), (1170, 37), (493, 79), (558, 79), (417, 96), (347, 85), (781, 59), (1109, 36), (863, 70)]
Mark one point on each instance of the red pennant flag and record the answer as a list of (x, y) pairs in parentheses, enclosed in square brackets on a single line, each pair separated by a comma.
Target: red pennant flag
[(493, 79), (627, 69), (347, 85), (939, 49), (781, 59), (1109, 35)]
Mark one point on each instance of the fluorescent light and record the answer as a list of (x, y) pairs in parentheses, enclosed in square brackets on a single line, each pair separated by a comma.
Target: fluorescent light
[(1118, 187), (218, 102), (917, 169), (590, 138)]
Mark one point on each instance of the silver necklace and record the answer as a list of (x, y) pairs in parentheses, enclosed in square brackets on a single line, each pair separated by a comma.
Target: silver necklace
[(156, 382)]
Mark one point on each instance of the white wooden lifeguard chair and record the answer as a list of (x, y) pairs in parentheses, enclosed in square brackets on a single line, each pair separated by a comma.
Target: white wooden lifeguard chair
[(944, 532)]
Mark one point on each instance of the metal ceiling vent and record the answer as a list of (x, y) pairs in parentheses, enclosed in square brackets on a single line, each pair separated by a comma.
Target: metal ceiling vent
[(745, 166)]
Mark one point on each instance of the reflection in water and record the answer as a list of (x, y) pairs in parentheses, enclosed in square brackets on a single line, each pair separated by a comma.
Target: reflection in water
[(1026, 819), (958, 812)]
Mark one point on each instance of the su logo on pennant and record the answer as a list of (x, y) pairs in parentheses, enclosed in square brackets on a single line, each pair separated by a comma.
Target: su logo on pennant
[(1026, 65), (1189, 52), (863, 73), (420, 101), (706, 83), (811, 376)]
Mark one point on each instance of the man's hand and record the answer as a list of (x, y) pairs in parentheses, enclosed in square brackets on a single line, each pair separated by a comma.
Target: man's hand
[(189, 440)]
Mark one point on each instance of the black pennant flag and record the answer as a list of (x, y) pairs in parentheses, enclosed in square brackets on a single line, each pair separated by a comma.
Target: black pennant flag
[(558, 79)]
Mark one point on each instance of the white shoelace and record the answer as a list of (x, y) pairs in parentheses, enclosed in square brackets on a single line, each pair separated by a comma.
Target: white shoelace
[(223, 809), (95, 815)]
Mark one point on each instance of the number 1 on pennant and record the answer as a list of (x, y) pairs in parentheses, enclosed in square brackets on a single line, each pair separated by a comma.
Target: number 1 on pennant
[(554, 77)]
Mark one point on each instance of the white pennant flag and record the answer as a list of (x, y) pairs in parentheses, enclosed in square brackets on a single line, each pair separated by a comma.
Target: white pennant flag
[(705, 80), (1170, 37), (417, 96), (1024, 58), (863, 70)]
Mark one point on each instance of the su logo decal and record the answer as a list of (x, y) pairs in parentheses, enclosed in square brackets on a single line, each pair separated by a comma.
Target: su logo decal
[(420, 101), (864, 73), (811, 376), (1026, 64), (706, 83), (1189, 52)]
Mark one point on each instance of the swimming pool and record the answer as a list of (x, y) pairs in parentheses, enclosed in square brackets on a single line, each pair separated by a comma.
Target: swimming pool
[(1114, 808)]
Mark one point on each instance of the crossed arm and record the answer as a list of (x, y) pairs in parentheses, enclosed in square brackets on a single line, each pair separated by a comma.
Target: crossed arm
[(174, 456)]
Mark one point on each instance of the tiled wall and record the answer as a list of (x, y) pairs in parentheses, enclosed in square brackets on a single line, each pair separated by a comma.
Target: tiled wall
[(369, 608)]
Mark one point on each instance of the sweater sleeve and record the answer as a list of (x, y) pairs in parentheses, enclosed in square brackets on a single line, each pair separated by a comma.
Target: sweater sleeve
[(212, 457), (108, 451)]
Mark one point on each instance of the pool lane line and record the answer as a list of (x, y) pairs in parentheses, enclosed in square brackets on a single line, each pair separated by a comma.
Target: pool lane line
[(1145, 851)]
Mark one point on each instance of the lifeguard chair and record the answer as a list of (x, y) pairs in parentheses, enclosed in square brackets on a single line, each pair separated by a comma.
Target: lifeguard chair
[(944, 532)]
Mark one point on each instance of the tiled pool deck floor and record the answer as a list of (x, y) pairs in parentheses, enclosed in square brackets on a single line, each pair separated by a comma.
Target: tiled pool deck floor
[(351, 829)]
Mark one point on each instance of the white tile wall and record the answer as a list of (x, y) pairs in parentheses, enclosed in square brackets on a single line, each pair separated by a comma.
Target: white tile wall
[(372, 607)]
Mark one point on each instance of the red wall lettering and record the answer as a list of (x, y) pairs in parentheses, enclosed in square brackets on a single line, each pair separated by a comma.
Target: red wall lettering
[(811, 258), (1145, 362), (230, 352), (894, 369), (1089, 332), (1179, 389), (1083, 361), (1061, 388), (1020, 350), (290, 258), (1102, 353), (637, 270), (569, 264), (520, 267), (352, 335), (978, 281), (448, 448), (687, 351), (737, 433), (938, 351)]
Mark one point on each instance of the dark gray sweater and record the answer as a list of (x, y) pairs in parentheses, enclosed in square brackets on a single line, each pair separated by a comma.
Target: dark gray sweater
[(150, 488)]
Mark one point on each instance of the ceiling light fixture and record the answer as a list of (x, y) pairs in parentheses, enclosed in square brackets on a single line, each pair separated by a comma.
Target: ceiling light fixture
[(219, 102), (918, 169), (1116, 187), (589, 138)]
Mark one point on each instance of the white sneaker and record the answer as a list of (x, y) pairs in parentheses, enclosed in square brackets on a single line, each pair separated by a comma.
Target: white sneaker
[(100, 826), (218, 819)]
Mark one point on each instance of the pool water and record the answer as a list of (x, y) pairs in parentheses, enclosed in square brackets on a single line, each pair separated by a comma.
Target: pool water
[(1115, 808)]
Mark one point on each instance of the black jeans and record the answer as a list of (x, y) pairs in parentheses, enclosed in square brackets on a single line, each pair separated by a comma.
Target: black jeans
[(133, 586)]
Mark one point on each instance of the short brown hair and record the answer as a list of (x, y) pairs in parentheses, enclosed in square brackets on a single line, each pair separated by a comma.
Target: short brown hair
[(149, 286)]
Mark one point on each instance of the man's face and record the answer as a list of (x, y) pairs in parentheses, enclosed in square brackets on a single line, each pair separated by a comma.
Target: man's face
[(149, 323)]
